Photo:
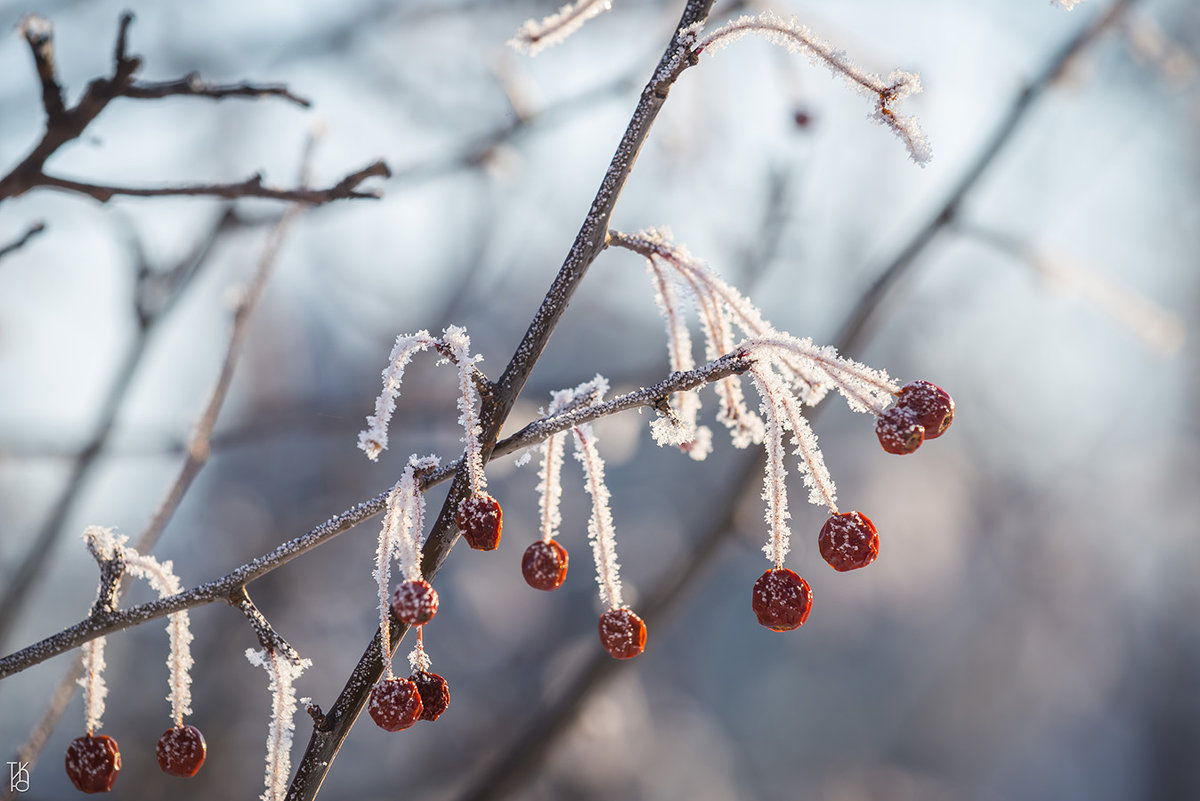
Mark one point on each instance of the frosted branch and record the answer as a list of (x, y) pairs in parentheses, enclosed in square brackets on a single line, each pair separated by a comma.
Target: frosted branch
[(799, 38), (534, 36)]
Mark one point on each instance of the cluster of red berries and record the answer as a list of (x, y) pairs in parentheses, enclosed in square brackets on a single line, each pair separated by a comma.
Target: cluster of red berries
[(782, 599), (922, 411), (396, 704), (93, 761)]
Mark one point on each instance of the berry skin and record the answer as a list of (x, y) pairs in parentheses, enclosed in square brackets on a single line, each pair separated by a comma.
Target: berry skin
[(544, 565), (622, 633), (181, 751), (434, 692), (848, 541), (898, 430), (781, 599), (395, 704), (93, 763), (415, 602), (932, 405), (480, 519)]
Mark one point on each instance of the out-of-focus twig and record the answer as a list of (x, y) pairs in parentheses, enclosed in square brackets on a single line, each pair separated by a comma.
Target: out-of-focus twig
[(23, 239)]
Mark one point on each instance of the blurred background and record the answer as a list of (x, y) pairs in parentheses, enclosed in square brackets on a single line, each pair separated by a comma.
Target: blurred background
[(1029, 629)]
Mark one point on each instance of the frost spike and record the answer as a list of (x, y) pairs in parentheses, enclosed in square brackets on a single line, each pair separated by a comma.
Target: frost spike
[(282, 673)]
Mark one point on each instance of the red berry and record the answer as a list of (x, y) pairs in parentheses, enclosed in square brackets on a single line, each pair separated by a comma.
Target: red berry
[(395, 704), (544, 565), (93, 763), (848, 541), (622, 633), (415, 602), (781, 599), (181, 751), (898, 430), (932, 405), (435, 694), (480, 520)]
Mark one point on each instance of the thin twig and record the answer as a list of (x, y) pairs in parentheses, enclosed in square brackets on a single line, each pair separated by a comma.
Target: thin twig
[(22, 240)]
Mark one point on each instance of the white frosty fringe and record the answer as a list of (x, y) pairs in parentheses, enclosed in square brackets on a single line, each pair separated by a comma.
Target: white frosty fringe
[(550, 486), (682, 430), (864, 388), (283, 673), (459, 343), (161, 577), (92, 682), (799, 38), (373, 440), (534, 36), (400, 538), (417, 658), (773, 392), (821, 490)]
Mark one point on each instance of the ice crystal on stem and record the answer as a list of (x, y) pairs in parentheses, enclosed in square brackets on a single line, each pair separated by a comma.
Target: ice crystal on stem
[(282, 670), (799, 38), (179, 661), (459, 344), (92, 682), (534, 35)]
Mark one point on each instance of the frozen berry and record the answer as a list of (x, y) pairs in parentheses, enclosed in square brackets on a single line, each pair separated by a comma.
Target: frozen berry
[(480, 520), (415, 602), (395, 704), (544, 565), (435, 694), (898, 430), (622, 633), (781, 599), (932, 405), (848, 541), (181, 751), (93, 763)]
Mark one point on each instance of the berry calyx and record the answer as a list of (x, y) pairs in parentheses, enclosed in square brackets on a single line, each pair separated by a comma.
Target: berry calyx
[(395, 704), (932, 406), (480, 519), (415, 602), (544, 565), (434, 692), (781, 599), (898, 430), (93, 763), (848, 541), (181, 751), (622, 633)]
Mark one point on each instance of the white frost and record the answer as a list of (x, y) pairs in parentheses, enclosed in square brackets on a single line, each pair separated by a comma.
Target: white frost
[(282, 673)]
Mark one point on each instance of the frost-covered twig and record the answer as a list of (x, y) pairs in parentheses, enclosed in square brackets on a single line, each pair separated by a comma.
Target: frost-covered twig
[(800, 39), (179, 661), (536, 35)]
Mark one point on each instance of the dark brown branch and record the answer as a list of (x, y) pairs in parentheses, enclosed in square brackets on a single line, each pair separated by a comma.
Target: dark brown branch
[(64, 125), (23, 240), (253, 186)]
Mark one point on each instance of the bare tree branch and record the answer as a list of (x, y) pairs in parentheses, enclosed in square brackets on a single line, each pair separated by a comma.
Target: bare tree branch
[(23, 239), (65, 124)]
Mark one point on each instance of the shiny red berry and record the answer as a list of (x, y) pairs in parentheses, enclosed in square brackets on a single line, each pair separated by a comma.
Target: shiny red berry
[(848, 541), (622, 633), (395, 704), (898, 430), (434, 692), (480, 519), (93, 763), (415, 602), (181, 751), (781, 599), (544, 565), (932, 406)]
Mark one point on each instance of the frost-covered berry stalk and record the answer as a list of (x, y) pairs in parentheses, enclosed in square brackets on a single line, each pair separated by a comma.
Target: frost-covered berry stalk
[(282, 670), (536, 35)]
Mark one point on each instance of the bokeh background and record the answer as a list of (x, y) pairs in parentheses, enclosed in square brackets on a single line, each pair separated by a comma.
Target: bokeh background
[(1029, 630)]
